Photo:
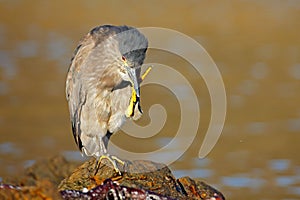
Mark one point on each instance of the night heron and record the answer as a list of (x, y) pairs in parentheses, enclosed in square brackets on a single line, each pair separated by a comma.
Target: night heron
[(103, 86)]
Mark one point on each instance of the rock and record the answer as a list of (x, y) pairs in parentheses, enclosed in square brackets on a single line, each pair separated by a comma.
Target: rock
[(199, 190), (145, 175), (39, 181), (139, 180), (112, 190)]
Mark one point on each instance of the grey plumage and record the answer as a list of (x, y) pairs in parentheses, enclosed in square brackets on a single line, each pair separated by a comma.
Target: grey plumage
[(99, 84)]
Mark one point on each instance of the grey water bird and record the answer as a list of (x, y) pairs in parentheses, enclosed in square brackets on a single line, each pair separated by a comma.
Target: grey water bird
[(103, 86)]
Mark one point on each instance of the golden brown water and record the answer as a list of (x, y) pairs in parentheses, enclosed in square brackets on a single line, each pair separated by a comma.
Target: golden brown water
[(255, 45)]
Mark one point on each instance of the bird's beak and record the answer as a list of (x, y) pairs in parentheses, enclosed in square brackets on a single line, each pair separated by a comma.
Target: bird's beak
[(134, 80)]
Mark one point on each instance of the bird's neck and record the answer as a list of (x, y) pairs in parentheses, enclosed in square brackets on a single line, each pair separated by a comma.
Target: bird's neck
[(110, 79)]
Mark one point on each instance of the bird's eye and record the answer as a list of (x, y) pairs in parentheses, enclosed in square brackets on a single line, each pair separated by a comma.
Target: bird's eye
[(123, 58)]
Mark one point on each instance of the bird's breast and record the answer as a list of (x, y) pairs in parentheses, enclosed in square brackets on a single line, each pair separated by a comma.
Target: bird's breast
[(119, 100)]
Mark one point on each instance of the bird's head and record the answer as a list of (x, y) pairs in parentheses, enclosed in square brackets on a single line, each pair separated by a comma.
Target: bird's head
[(133, 46)]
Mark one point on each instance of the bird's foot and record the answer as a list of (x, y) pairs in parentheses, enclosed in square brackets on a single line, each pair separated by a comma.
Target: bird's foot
[(113, 160)]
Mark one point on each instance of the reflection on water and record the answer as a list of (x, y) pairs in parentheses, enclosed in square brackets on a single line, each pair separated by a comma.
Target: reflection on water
[(9, 148), (279, 164), (243, 181), (203, 173), (295, 71), (27, 49), (74, 156), (8, 64), (255, 45), (293, 125)]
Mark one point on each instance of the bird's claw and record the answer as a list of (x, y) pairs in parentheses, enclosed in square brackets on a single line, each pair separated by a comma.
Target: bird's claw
[(112, 160)]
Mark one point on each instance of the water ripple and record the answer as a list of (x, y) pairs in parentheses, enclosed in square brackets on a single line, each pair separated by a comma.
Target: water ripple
[(243, 182), (8, 63), (279, 164)]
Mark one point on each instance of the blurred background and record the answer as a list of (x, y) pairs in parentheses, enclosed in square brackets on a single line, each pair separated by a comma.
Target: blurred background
[(255, 44)]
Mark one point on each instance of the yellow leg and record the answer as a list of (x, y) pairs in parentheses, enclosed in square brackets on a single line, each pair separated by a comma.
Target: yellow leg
[(112, 160), (146, 73), (118, 160)]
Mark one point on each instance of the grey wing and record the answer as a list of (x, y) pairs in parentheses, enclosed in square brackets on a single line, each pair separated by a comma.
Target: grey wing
[(76, 99), (75, 92)]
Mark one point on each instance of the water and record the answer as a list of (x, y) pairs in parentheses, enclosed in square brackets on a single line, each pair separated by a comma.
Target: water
[(255, 45)]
